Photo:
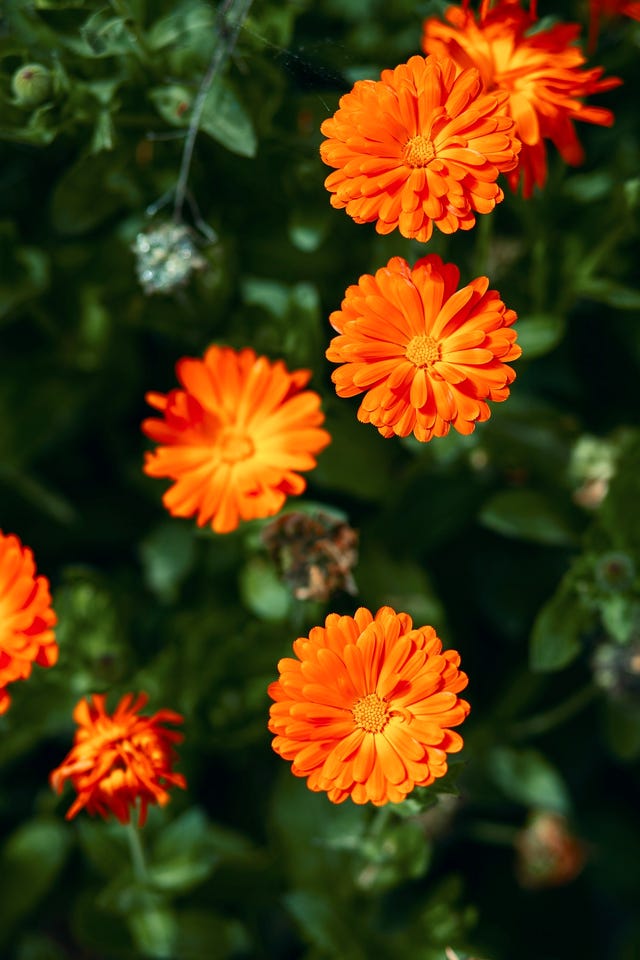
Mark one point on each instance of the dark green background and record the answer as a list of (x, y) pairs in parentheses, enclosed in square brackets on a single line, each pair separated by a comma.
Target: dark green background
[(480, 536)]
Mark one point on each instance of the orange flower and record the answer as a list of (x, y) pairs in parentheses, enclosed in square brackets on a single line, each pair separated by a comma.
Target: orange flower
[(365, 709), (26, 617), (120, 759), (608, 9), (425, 355), (234, 437), (539, 70), (420, 146)]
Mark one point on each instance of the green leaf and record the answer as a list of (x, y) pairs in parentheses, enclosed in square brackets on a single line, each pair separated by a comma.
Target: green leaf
[(202, 933), (77, 206), (25, 271), (31, 859), (539, 333), (225, 118), (527, 777), (557, 633), (527, 515), (167, 555), (608, 291), (262, 591), (154, 929), (321, 925)]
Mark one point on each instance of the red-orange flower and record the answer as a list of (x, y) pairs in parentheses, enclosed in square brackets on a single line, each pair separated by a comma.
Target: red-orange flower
[(119, 760), (234, 437), (607, 9), (365, 709), (426, 355), (540, 71), (417, 147), (26, 616)]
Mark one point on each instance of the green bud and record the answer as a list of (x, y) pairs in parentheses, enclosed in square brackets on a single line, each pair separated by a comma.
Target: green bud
[(31, 85)]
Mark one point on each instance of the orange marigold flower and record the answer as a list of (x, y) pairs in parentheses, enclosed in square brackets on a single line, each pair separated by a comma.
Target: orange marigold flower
[(607, 9), (365, 709), (417, 147), (426, 355), (26, 616), (540, 71), (120, 759), (234, 438)]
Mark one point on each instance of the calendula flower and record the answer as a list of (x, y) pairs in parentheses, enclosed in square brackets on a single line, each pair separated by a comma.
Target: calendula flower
[(234, 437), (607, 10), (422, 145), (426, 355), (365, 709), (540, 70), (120, 760), (26, 616)]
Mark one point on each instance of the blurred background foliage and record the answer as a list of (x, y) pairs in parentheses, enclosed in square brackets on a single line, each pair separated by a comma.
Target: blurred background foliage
[(520, 543)]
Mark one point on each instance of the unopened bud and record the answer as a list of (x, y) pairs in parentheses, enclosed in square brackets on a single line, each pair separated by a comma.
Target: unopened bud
[(32, 85)]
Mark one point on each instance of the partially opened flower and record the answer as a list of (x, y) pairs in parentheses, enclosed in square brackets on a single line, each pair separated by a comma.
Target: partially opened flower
[(426, 355), (120, 762), (540, 70), (234, 437), (422, 145), (365, 708), (26, 616), (606, 10)]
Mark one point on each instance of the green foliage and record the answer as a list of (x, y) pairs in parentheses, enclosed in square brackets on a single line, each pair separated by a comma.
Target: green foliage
[(519, 543)]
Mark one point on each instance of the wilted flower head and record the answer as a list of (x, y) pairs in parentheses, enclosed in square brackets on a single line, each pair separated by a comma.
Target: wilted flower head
[(592, 467), (120, 760), (365, 708), (166, 256), (234, 437), (540, 70), (26, 616), (616, 669), (314, 553), (421, 146), (426, 355), (549, 855)]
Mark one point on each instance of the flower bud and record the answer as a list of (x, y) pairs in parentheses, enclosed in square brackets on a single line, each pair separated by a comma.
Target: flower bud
[(32, 85)]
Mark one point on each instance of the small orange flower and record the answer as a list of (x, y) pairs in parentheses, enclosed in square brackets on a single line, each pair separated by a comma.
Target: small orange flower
[(607, 9), (426, 355), (120, 759), (540, 70), (365, 709), (26, 617), (417, 147), (234, 438)]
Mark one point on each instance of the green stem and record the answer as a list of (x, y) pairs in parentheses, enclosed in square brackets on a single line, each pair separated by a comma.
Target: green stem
[(137, 853), (548, 719), (231, 16)]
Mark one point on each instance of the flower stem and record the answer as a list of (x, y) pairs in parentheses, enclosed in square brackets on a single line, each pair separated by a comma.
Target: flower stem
[(231, 16), (138, 858)]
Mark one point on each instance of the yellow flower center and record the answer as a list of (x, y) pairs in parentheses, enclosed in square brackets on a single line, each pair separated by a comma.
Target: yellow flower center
[(234, 446), (418, 151), (423, 351), (371, 713)]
